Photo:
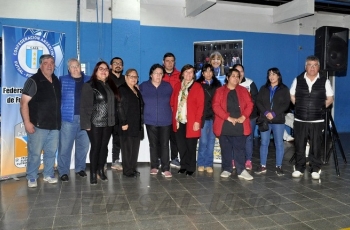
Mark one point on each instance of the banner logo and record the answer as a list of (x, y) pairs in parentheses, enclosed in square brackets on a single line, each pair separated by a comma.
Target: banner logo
[(27, 53)]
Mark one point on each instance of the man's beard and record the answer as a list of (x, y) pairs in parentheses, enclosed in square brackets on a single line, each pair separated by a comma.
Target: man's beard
[(117, 71)]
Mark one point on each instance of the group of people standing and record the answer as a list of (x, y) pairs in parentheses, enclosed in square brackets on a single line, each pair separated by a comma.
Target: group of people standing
[(81, 110), (173, 105)]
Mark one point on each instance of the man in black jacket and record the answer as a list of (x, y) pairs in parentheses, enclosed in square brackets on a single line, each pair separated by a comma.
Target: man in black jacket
[(41, 114), (311, 95), (116, 74)]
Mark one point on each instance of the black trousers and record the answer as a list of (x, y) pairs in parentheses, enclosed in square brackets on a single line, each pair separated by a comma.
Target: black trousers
[(314, 132), (173, 145), (116, 143), (158, 137), (187, 149), (99, 138), (130, 152), (230, 145)]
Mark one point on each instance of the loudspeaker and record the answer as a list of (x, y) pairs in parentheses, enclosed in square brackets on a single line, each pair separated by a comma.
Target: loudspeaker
[(331, 47)]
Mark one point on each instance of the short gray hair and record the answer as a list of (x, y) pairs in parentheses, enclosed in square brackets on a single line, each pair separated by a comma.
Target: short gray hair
[(71, 60), (312, 58), (46, 56)]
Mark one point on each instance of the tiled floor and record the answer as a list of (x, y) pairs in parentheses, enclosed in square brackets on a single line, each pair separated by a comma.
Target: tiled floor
[(204, 201)]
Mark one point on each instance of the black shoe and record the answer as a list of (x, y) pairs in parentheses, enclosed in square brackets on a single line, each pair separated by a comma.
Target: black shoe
[(82, 173), (189, 173), (93, 178), (130, 175), (279, 171), (136, 172), (64, 178), (101, 174), (260, 170), (181, 171)]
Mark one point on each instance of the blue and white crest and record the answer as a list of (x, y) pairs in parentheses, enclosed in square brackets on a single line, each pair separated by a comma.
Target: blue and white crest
[(27, 53), (33, 54)]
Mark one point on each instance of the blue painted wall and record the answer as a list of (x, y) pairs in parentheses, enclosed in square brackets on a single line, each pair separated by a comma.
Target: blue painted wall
[(261, 51), (141, 46), (95, 38)]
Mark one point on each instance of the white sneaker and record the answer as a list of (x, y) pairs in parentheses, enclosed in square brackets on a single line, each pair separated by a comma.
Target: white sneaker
[(245, 175), (316, 175), (117, 166), (167, 174), (225, 174), (290, 138), (297, 174), (32, 183), (51, 180)]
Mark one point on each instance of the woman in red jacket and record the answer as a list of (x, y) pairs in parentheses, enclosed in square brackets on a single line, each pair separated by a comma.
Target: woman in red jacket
[(232, 106), (187, 102)]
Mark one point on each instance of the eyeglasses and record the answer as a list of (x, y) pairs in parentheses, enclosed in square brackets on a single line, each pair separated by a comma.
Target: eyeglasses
[(131, 76), (103, 69), (117, 63), (74, 66), (312, 65), (154, 73)]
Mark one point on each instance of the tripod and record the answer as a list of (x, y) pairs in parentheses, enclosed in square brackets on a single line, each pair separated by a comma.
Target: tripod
[(333, 133)]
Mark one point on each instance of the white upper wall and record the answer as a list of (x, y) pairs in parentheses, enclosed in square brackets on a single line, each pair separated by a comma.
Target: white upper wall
[(221, 16), (57, 10), (170, 13)]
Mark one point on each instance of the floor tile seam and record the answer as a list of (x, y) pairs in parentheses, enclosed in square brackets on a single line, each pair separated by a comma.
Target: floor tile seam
[(268, 216), (305, 222), (216, 221), (240, 219), (219, 221), (132, 211), (324, 205), (80, 222), (343, 215), (289, 199), (291, 213)]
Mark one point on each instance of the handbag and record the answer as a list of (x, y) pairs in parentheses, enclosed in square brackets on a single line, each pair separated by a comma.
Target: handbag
[(263, 126)]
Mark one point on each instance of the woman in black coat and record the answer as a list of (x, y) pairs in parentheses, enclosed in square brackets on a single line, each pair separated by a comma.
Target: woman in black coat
[(99, 97), (272, 102), (130, 111)]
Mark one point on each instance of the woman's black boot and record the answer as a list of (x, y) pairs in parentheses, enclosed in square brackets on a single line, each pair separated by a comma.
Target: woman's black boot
[(102, 175), (93, 178)]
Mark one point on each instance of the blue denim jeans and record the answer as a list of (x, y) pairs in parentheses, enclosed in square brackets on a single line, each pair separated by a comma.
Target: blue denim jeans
[(250, 141), (206, 145), (71, 133), (41, 140), (277, 130)]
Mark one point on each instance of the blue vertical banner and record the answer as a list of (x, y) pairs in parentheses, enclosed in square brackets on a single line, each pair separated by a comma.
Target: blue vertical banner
[(22, 48)]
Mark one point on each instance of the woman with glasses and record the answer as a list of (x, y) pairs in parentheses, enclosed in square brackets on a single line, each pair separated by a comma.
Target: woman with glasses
[(273, 101), (98, 116), (187, 103), (130, 114), (156, 94)]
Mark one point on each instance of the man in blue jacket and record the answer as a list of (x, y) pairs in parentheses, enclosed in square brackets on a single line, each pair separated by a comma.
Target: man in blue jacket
[(70, 131)]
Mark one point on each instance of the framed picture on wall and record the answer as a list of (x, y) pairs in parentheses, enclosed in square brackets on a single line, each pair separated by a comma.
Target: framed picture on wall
[(221, 54)]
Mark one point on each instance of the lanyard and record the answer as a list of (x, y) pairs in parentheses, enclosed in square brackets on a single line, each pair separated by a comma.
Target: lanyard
[(272, 93)]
